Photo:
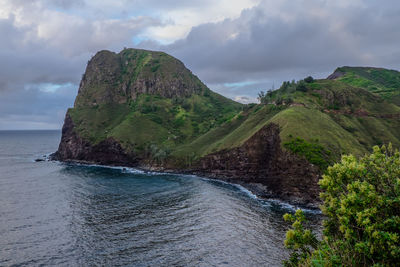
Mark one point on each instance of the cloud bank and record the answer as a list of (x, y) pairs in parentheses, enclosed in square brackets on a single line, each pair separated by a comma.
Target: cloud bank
[(236, 47)]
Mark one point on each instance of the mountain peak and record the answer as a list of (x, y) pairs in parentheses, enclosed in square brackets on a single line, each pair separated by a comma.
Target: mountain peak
[(119, 78)]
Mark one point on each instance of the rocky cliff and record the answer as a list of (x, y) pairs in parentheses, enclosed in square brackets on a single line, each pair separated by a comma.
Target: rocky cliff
[(75, 148), (119, 78), (261, 165)]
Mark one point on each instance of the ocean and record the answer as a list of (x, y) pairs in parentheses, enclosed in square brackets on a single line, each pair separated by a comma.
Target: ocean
[(58, 214)]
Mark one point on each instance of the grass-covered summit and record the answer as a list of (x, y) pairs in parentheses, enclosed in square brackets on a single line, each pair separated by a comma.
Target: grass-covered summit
[(383, 82), (121, 78)]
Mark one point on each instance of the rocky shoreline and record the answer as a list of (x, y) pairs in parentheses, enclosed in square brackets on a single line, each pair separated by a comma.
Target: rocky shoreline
[(258, 190), (260, 164)]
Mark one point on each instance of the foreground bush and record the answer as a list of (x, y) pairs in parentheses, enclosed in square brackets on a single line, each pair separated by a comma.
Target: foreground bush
[(361, 199)]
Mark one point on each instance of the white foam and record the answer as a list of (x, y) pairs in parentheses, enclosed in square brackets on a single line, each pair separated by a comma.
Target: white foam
[(263, 202)]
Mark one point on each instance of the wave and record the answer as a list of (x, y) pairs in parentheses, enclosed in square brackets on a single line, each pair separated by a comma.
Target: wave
[(264, 202)]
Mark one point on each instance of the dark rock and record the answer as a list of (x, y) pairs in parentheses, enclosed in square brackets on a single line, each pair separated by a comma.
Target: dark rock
[(74, 148), (335, 75), (262, 165)]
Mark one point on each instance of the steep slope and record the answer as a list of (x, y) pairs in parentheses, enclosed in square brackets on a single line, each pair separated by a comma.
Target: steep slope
[(144, 108), (145, 101), (337, 116), (287, 142), (329, 114), (383, 82), (118, 78)]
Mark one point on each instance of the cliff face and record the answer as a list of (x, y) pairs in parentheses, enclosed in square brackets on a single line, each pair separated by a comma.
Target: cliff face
[(260, 161), (119, 78), (259, 164), (74, 148)]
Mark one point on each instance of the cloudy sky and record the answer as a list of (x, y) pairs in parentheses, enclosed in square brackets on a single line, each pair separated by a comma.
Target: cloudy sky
[(237, 47)]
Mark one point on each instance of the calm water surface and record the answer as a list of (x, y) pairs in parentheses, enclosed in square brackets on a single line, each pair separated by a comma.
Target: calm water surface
[(70, 215)]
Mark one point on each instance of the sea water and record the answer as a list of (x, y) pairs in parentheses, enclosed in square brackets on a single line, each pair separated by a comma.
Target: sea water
[(57, 214)]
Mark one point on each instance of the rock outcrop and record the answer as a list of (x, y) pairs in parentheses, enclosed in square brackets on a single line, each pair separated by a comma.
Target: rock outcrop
[(118, 78), (261, 165), (335, 75), (74, 148)]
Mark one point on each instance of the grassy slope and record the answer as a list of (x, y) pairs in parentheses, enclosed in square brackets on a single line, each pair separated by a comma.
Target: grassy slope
[(329, 117), (154, 120), (315, 126), (383, 82), (231, 134)]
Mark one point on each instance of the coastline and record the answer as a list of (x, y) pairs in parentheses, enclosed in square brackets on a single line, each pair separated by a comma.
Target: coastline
[(256, 191)]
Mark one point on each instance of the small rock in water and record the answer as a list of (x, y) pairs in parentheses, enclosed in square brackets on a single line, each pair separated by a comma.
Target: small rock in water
[(38, 160)]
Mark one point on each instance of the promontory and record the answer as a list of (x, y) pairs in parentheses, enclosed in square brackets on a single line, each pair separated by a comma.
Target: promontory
[(145, 109)]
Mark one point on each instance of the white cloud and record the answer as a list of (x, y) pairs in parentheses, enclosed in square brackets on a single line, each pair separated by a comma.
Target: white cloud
[(245, 99), (183, 19)]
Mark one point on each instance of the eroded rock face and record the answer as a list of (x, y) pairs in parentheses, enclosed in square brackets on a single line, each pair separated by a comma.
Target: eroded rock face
[(74, 148), (118, 78), (259, 164), (335, 75), (262, 164)]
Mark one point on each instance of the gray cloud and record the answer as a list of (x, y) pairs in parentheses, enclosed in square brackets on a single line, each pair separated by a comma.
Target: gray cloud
[(32, 108), (26, 58), (65, 4), (25, 61), (292, 40), (51, 49), (269, 43)]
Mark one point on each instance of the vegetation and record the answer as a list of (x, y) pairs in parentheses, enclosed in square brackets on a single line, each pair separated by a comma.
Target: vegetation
[(383, 82), (345, 119), (154, 120), (191, 121), (313, 152), (361, 199), (309, 79)]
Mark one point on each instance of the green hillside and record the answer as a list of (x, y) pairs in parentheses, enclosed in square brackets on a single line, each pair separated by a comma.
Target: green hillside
[(329, 115), (147, 101), (383, 82), (157, 109), (153, 120)]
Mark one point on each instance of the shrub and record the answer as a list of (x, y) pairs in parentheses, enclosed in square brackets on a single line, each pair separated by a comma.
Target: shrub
[(186, 105), (179, 122), (309, 79), (301, 241), (288, 101), (314, 153), (361, 200), (301, 87), (155, 68)]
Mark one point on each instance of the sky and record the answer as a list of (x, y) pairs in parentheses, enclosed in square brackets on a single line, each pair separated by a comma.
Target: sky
[(236, 47)]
